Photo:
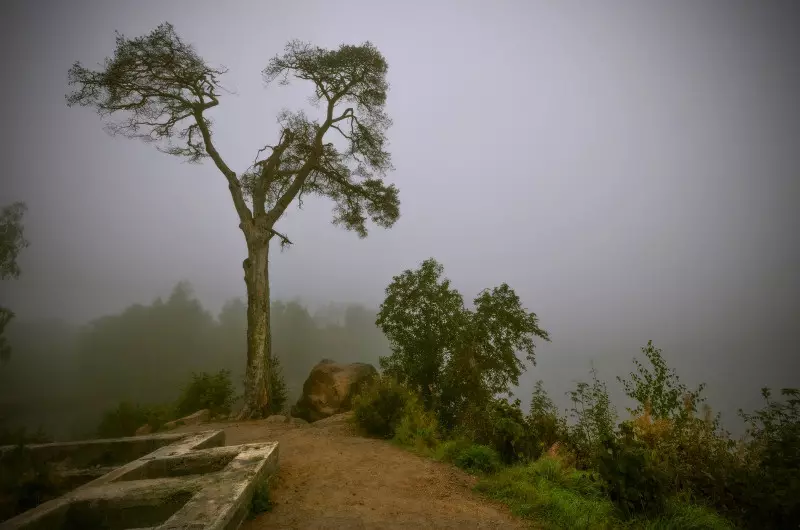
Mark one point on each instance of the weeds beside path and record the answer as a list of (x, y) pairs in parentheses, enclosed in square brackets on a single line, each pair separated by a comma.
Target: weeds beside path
[(329, 478)]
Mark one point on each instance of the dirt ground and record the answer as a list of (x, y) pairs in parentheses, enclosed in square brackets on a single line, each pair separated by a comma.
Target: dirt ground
[(329, 478)]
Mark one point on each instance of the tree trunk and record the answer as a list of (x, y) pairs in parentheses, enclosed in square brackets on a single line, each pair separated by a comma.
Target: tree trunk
[(259, 340)]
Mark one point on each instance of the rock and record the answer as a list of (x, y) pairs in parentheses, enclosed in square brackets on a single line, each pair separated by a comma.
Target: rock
[(330, 388), (143, 430), (276, 418), (298, 421), (201, 416)]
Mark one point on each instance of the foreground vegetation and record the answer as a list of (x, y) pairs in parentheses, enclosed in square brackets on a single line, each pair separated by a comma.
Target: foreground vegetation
[(668, 465)]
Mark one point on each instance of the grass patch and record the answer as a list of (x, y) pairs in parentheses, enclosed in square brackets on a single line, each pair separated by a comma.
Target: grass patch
[(551, 495), (557, 497), (682, 515), (479, 458)]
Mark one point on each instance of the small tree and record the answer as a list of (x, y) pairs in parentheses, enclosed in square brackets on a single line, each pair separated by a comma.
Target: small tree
[(12, 241), (163, 90), (658, 389), (452, 356), (594, 416)]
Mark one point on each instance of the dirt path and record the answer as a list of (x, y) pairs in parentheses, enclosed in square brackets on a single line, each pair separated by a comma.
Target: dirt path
[(330, 479)]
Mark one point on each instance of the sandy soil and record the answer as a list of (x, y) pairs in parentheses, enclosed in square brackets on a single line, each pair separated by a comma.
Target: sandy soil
[(329, 478)]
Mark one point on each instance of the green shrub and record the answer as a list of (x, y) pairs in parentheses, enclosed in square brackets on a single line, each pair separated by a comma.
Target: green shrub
[(418, 427), (478, 457), (207, 391), (503, 427), (594, 418), (379, 408), (546, 426), (126, 418), (632, 480), (449, 450), (278, 392), (769, 486)]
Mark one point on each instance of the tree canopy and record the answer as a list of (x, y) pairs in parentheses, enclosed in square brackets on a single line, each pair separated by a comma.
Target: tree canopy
[(451, 355), (162, 88)]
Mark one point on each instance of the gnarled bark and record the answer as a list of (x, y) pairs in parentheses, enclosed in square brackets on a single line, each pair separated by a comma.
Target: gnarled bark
[(259, 340)]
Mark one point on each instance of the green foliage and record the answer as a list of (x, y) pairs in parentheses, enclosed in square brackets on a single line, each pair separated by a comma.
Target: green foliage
[(207, 391), (771, 483), (552, 496), (478, 457), (449, 450), (127, 417), (420, 315), (633, 482), (12, 241), (594, 418), (379, 408), (155, 348), (418, 427), (659, 388), (453, 357), (278, 393), (683, 515), (503, 426), (545, 424)]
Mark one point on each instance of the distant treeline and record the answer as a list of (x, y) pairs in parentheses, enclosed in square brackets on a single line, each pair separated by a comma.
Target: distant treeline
[(61, 377)]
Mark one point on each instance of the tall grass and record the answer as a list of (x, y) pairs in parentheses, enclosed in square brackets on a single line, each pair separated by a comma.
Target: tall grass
[(557, 497)]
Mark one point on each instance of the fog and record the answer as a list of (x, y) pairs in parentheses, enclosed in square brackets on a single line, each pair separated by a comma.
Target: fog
[(629, 168)]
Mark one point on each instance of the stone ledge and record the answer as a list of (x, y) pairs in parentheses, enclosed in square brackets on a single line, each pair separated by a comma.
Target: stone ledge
[(196, 482)]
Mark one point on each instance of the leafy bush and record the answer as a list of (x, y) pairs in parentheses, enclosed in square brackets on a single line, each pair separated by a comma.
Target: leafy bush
[(207, 391), (770, 485), (478, 457), (594, 418), (632, 480), (503, 427), (546, 426), (449, 450), (659, 388), (127, 417), (418, 427), (379, 408)]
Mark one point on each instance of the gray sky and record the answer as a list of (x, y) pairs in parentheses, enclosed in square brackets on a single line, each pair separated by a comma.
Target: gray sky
[(630, 168)]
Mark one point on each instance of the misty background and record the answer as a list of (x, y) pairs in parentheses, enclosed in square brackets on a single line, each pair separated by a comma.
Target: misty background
[(630, 169)]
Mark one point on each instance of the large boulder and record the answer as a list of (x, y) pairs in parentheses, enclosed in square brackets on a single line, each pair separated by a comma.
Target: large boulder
[(330, 389)]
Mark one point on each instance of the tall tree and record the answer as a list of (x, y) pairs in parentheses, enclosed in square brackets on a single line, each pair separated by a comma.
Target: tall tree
[(12, 241), (162, 90), (453, 356)]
